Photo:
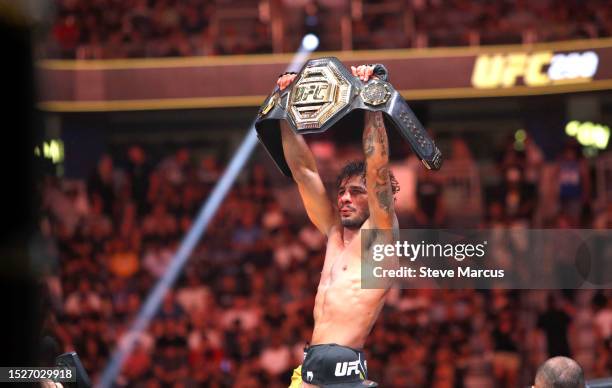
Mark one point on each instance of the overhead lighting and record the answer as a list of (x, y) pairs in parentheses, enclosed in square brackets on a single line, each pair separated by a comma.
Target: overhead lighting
[(310, 42)]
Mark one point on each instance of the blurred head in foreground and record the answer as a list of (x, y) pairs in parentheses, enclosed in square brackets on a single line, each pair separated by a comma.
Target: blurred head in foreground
[(559, 372)]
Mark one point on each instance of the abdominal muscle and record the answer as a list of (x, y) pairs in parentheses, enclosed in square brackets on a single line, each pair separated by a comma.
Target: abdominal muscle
[(344, 313)]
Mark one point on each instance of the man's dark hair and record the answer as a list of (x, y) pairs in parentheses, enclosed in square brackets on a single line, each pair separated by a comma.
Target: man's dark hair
[(358, 168), (560, 372)]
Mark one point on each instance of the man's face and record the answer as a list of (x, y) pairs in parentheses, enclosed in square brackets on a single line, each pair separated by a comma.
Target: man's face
[(353, 202)]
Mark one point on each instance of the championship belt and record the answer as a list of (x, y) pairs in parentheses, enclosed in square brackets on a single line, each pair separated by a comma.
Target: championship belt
[(324, 94)]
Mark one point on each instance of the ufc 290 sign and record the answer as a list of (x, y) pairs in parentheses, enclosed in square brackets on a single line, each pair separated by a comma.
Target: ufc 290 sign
[(539, 68)]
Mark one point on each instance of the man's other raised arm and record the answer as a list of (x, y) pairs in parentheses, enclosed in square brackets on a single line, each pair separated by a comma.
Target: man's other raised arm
[(376, 150), (378, 180), (304, 170)]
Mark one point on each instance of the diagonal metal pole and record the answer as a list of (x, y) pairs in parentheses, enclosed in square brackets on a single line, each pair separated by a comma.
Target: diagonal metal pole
[(125, 344)]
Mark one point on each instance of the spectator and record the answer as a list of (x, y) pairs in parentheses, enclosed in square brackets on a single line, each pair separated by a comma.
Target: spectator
[(274, 316), (177, 168), (138, 175), (259, 183), (518, 197), (137, 364), (101, 184), (603, 321), (159, 223), (62, 205), (574, 183), (288, 250), (171, 311), (312, 239), (555, 322), (559, 372), (506, 360), (97, 224), (66, 33), (82, 301), (248, 233), (170, 365), (247, 315), (194, 297), (208, 171), (275, 357), (156, 258), (583, 333), (430, 211), (604, 220), (534, 159), (274, 217), (122, 261), (461, 156)]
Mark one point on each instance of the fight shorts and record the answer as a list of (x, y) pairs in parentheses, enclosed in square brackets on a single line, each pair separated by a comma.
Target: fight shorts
[(331, 366)]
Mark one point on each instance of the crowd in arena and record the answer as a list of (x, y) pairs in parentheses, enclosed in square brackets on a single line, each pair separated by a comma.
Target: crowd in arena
[(169, 28), (241, 311)]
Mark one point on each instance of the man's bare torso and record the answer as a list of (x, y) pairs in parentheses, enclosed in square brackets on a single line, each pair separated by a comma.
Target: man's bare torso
[(344, 313)]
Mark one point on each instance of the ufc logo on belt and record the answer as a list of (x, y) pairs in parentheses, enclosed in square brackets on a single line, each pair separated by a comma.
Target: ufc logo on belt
[(311, 93), (347, 368)]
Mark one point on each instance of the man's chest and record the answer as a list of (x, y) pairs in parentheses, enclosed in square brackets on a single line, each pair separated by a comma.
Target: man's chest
[(342, 262)]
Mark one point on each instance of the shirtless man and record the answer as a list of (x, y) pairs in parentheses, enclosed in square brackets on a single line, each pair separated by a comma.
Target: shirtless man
[(344, 313)]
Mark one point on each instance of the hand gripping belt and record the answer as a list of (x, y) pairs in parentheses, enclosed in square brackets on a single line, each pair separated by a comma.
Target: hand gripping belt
[(324, 95)]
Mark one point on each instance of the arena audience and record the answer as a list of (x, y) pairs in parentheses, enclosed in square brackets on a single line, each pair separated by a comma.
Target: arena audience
[(241, 312), (163, 28)]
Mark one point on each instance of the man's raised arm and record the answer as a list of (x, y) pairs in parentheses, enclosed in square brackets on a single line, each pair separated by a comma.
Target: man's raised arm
[(304, 170), (378, 181), (376, 150)]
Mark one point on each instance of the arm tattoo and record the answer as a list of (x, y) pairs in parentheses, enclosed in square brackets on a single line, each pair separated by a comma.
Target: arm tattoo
[(381, 131), (368, 142), (374, 120), (375, 135), (376, 149), (382, 140), (382, 188)]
